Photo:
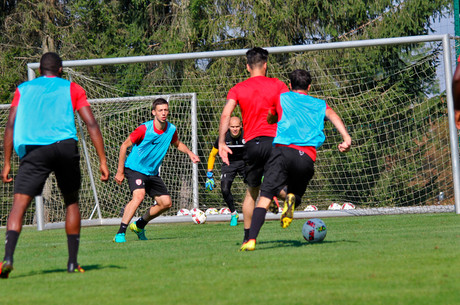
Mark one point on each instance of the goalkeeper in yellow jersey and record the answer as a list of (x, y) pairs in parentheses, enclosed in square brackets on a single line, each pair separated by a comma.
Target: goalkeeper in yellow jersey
[(234, 140)]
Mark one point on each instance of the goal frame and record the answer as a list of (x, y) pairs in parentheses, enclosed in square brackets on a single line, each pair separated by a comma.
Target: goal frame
[(40, 215), (447, 63)]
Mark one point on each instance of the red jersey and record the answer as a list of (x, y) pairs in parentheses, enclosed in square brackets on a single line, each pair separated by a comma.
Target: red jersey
[(77, 95), (256, 96)]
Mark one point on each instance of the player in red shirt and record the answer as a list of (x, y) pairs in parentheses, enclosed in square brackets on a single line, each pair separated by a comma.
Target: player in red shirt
[(256, 96)]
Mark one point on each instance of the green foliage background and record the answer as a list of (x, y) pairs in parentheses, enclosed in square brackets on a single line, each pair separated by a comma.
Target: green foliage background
[(368, 177)]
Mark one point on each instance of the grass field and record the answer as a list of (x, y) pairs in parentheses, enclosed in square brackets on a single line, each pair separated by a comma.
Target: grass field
[(403, 259)]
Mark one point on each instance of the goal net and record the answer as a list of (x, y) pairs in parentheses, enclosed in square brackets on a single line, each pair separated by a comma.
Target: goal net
[(391, 98)]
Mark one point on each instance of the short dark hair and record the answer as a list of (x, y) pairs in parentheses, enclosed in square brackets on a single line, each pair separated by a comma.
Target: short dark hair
[(256, 57), (300, 79), (159, 101), (50, 62)]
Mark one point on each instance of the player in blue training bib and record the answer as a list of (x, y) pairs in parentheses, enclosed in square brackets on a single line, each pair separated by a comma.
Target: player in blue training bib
[(299, 132), (150, 142)]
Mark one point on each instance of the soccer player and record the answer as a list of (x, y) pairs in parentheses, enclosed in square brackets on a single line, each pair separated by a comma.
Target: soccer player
[(234, 140), (41, 128), (255, 97), (299, 133), (456, 93), (150, 142)]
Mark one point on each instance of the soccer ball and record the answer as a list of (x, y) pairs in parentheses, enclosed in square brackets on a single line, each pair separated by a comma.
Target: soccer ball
[(314, 230), (183, 212), (225, 211), (335, 206), (199, 217), (211, 211), (348, 206), (311, 208)]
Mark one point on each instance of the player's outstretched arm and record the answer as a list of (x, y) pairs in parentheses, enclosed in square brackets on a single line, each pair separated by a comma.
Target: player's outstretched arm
[(338, 123), (8, 145), (120, 175), (96, 137), (456, 94), (183, 148), (224, 150)]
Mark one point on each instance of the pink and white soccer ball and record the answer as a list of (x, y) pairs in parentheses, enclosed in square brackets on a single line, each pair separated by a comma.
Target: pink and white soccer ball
[(348, 206), (314, 230), (199, 217), (211, 211), (183, 212), (311, 208), (334, 206), (225, 211)]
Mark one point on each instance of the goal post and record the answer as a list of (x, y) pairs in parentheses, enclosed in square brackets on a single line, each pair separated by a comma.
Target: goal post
[(183, 115), (394, 96)]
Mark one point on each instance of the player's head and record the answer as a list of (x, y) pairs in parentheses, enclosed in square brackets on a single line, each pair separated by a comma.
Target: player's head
[(159, 101), (50, 64), (256, 58), (235, 126), (300, 79), (160, 109)]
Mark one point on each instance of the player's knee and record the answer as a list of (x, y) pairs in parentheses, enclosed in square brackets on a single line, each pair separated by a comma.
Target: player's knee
[(225, 191), (165, 203), (225, 188), (139, 195)]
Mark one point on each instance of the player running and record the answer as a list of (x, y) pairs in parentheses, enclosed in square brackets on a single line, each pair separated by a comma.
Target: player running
[(255, 96), (150, 142), (234, 140), (299, 133)]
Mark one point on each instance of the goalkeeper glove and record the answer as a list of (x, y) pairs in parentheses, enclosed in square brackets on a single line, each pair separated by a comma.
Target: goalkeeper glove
[(210, 184)]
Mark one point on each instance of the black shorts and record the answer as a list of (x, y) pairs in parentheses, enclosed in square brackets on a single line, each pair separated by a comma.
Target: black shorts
[(287, 166), (153, 185), (257, 153), (229, 172), (61, 157)]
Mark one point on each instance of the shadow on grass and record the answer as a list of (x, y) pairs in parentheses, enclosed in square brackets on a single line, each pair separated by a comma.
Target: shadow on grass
[(265, 245), (62, 270)]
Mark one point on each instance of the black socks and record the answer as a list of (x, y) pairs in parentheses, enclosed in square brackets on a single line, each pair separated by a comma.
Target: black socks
[(258, 219), (11, 241), (73, 242), (123, 227)]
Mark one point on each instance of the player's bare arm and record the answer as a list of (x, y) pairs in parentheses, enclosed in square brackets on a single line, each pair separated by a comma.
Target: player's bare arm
[(96, 137), (332, 116), (8, 145), (272, 118), (120, 175), (183, 148), (224, 150)]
